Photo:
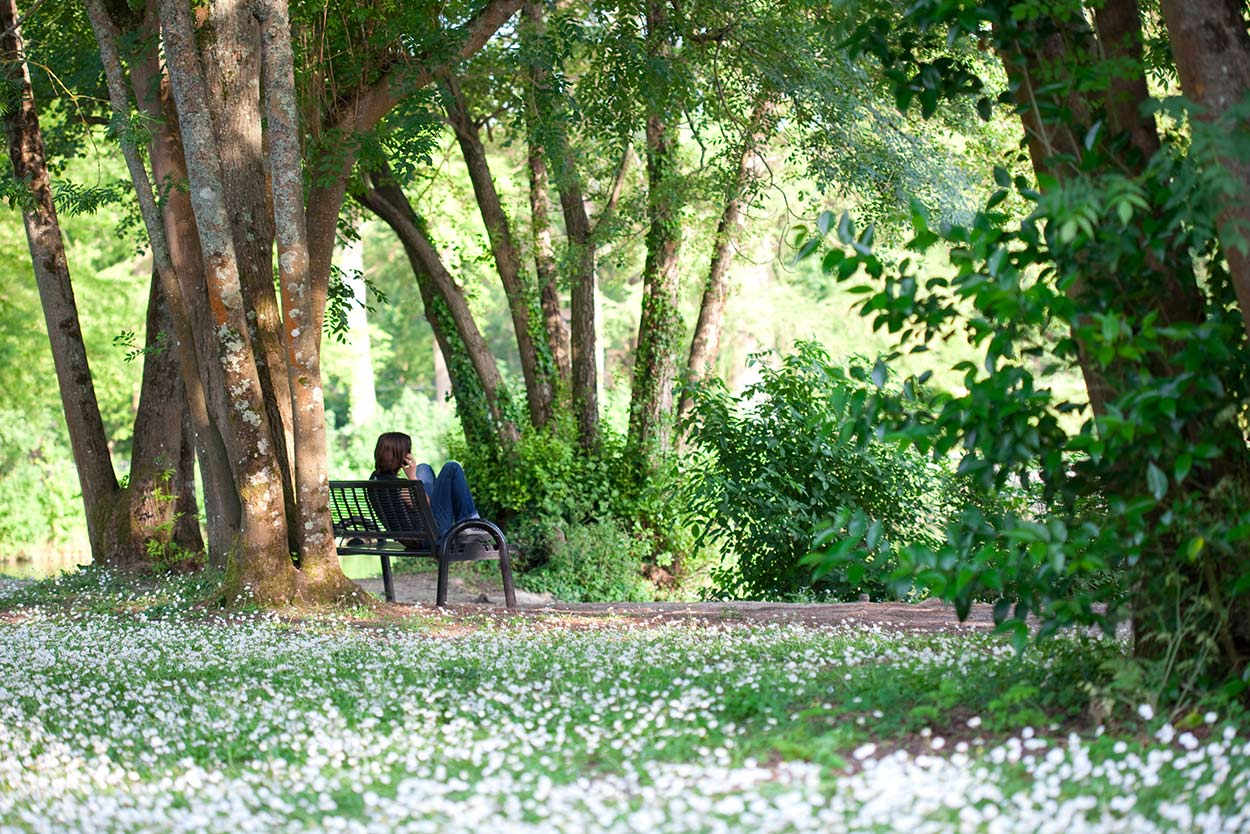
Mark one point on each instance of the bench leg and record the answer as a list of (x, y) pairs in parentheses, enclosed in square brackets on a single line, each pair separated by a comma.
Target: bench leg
[(388, 581), (444, 563), (505, 567)]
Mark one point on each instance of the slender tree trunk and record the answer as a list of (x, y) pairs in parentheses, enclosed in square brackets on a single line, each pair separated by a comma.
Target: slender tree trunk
[(545, 261), (660, 327), (585, 385), (705, 345), (447, 311), (535, 366), (320, 569), (363, 111), (177, 261), (1211, 46), (261, 565), (56, 293)]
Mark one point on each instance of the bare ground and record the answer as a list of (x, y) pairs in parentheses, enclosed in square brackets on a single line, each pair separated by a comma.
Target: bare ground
[(470, 594)]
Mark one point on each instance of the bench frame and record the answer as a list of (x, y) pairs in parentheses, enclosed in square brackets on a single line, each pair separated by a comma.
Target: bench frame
[(359, 528)]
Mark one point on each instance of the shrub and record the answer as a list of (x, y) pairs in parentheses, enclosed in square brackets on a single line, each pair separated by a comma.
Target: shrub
[(774, 466), (546, 487), (596, 562)]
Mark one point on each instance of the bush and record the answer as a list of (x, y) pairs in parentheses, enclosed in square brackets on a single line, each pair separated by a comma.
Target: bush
[(546, 487), (597, 562), (772, 467)]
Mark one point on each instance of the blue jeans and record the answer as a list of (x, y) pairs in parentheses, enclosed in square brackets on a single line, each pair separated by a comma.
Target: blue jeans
[(450, 499)]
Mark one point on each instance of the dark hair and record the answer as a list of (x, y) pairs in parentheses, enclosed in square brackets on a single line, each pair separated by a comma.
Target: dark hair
[(389, 454)]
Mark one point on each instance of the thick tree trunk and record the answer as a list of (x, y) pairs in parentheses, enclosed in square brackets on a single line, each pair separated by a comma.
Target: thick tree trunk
[(231, 55), (1166, 287), (157, 527), (585, 377), (660, 327), (447, 311), (1053, 148), (261, 566), (535, 366), (56, 293), (192, 323), (705, 345), (1211, 46), (320, 571)]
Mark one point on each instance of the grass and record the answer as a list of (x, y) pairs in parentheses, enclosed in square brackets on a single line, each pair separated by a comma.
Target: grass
[(125, 706)]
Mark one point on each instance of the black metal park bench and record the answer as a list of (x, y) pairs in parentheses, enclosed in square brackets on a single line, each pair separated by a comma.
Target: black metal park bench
[(392, 518)]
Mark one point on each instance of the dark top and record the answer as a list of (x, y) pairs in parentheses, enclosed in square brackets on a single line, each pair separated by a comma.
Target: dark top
[(394, 512)]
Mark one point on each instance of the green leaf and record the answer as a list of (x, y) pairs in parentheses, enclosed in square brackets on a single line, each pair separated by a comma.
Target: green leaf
[(1184, 462), (825, 222), (1156, 481)]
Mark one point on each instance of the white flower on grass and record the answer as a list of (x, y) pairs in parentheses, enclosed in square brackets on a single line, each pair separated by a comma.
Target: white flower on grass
[(1146, 712)]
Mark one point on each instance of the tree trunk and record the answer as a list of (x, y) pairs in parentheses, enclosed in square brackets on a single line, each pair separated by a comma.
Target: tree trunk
[(535, 366), (176, 227), (261, 566), (660, 327), (447, 312), (1211, 47), (1167, 287), (56, 293), (1118, 24), (545, 261), (320, 571), (581, 242), (231, 55), (705, 345), (1031, 74), (157, 529)]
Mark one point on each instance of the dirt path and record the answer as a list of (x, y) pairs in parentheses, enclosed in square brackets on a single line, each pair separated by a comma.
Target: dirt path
[(473, 594)]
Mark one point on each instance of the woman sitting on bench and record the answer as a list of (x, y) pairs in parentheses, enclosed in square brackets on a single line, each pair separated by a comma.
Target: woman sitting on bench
[(448, 493)]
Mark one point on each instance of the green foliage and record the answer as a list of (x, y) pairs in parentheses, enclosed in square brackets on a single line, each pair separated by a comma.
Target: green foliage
[(1115, 270), (551, 496), (597, 562), (799, 448), (341, 297), (38, 486)]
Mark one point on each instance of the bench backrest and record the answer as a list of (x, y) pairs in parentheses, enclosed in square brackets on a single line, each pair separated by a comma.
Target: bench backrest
[(381, 510)]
